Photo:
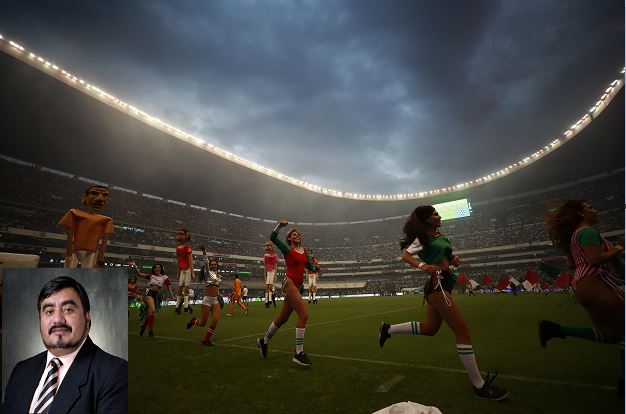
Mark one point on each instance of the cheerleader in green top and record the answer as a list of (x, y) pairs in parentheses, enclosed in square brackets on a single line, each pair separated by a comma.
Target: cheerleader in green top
[(434, 256)]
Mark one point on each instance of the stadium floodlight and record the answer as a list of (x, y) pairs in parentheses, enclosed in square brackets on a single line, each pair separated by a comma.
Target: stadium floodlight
[(95, 92), (15, 45)]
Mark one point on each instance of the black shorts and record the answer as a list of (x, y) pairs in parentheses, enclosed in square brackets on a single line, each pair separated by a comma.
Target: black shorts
[(154, 295)]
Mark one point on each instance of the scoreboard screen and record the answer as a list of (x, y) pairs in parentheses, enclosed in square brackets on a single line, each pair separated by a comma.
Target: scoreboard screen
[(454, 209)]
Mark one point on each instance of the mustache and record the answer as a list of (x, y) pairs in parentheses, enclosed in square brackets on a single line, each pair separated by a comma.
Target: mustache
[(62, 325)]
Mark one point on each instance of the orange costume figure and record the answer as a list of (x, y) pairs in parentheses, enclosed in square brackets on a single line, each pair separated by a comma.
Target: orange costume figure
[(85, 229), (236, 297)]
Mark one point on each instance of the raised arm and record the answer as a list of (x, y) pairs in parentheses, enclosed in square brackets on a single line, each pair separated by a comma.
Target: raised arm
[(134, 266), (193, 273), (278, 242)]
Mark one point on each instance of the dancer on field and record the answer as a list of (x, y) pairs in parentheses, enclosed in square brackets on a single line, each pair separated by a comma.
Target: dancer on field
[(270, 261), (434, 256), (156, 281), (313, 276), (296, 259), (236, 297), (133, 292), (596, 285), (210, 303)]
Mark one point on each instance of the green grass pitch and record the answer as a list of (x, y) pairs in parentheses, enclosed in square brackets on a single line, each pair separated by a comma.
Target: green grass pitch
[(174, 373)]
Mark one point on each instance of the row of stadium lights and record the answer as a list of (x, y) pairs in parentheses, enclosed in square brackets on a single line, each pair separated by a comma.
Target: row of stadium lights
[(72, 80)]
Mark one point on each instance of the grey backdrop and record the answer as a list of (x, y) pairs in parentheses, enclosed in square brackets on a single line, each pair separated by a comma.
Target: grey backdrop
[(107, 291)]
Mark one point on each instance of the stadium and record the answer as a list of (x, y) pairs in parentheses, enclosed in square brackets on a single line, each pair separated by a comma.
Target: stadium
[(496, 226)]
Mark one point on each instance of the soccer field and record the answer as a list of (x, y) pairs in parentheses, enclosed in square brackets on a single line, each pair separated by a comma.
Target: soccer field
[(174, 373)]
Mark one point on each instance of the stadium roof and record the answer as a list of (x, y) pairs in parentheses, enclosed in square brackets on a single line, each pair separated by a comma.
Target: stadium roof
[(51, 124), (314, 90)]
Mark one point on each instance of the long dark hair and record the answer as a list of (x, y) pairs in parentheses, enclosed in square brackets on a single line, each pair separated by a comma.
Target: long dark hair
[(562, 221), (161, 266), (415, 226)]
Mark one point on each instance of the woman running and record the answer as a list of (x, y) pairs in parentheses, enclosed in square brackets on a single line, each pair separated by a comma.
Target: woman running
[(596, 285), (210, 303), (157, 281), (296, 259), (434, 251)]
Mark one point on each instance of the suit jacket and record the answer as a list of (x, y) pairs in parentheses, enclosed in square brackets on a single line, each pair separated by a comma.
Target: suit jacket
[(96, 382)]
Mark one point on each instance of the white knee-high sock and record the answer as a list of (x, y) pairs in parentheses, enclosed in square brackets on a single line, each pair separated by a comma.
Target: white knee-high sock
[(466, 353), (299, 340), (406, 328), (270, 332)]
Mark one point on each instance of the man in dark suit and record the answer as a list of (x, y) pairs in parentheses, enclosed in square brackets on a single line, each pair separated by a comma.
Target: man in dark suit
[(74, 375)]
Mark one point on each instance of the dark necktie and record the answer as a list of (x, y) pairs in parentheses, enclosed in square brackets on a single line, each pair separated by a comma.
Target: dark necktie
[(50, 388)]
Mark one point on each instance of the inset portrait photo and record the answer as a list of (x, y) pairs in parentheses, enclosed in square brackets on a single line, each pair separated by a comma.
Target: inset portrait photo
[(64, 341)]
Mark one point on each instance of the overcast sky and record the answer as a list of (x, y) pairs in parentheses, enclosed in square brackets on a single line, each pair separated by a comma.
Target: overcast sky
[(358, 96)]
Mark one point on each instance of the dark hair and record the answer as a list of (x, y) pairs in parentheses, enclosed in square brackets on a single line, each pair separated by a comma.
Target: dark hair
[(415, 226), (96, 186), (287, 237), (562, 221), (60, 283), (187, 233), (162, 268), (214, 260)]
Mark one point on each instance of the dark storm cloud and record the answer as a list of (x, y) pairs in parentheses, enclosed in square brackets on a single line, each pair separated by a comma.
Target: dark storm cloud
[(359, 96)]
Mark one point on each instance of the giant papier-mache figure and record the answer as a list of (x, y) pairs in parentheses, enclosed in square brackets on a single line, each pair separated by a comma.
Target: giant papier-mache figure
[(87, 231)]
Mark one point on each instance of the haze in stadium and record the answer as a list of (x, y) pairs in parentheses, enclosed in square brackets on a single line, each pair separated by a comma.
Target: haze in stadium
[(127, 132), (352, 96)]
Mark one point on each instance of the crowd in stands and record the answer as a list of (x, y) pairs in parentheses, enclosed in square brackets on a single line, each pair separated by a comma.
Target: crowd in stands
[(34, 198)]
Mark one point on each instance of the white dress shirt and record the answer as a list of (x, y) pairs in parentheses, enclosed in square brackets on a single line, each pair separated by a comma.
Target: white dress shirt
[(67, 361)]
